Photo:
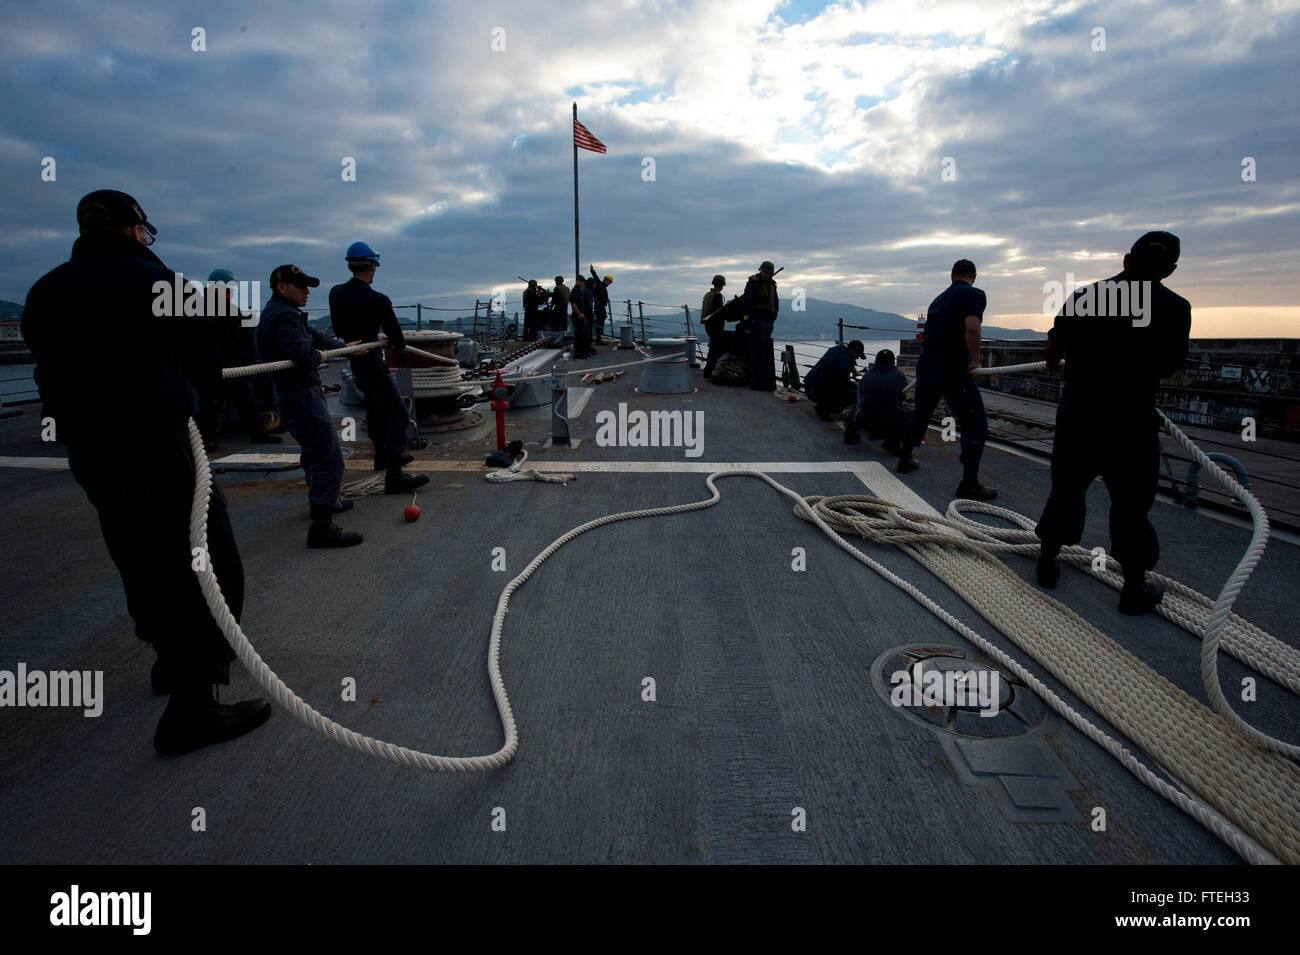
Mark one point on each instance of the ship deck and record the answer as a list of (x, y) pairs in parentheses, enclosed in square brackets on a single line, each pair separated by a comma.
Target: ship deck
[(765, 700)]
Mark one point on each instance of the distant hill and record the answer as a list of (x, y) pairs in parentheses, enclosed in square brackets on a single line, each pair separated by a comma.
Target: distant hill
[(819, 319), (10, 311)]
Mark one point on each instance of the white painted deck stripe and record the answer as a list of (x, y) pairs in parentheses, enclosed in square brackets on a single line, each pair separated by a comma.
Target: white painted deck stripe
[(886, 485), (44, 464)]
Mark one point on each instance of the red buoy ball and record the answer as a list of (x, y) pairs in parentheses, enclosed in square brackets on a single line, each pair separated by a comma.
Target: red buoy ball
[(792, 398), (412, 512)]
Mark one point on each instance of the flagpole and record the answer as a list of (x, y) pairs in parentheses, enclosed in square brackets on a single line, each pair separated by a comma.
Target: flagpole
[(576, 270)]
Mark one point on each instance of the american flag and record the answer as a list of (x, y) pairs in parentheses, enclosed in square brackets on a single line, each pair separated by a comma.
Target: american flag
[(584, 140)]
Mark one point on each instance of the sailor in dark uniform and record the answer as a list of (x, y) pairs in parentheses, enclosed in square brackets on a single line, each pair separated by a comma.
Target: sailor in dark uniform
[(283, 334), (1106, 423), (533, 299), (762, 306), (139, 472), (599, 289), (829, 383), (880, 394), (583, 304), (249, 398), (358, 313), (950, 353)]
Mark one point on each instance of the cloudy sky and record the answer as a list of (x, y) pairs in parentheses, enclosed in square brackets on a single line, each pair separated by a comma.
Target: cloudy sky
[(862, 146)]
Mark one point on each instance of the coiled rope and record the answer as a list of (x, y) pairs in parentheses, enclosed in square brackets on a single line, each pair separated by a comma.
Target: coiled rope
[(1258, 791), (514, 473)]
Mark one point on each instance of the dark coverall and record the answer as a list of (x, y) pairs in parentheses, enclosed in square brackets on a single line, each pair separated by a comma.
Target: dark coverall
[(358, 312), (762, 306), (582, 300), (1106, 423), (600, 293), (532, 323), (137, 472), (714, 326), (283, 333), (244, 396), (829, 384), (941, 374), (878, 412), (560, 307)]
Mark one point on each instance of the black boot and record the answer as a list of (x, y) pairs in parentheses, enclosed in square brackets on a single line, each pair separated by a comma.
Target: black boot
[(906, 463), (160, 680), (195, 718), (1139, 596), (325, 533), (398, 482), (971, 488), (384, 461), (1049, 569)]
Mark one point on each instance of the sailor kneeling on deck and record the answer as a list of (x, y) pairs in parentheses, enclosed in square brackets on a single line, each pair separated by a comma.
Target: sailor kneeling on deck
[(880, 394), (283, 334), (829, 385), (358, 313), (138, 471)]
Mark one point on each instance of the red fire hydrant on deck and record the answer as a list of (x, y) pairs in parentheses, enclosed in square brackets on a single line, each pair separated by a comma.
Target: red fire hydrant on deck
[(499, 405)]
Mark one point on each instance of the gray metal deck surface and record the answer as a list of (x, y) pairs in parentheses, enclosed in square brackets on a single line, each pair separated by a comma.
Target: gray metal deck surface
[(763, 674)]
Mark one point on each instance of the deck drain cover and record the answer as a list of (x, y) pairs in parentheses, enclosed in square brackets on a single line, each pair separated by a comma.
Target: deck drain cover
[(953, 690)]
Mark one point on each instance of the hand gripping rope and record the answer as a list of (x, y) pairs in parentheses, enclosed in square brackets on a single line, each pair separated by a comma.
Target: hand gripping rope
[(1272, 818)]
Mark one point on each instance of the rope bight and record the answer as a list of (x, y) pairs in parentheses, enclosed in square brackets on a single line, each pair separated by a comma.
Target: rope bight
[(1248, 796)]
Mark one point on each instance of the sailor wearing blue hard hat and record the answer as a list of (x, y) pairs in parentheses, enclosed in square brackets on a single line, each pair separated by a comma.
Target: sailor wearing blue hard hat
[(358, 314)]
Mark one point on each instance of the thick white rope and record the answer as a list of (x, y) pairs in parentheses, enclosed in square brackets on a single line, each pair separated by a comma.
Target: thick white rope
[(1278, 659), (291, 701), (514, 473), (440, 379), (1110, 679), (1184, 606), (245, 371), (1212, 631), (586, 371)]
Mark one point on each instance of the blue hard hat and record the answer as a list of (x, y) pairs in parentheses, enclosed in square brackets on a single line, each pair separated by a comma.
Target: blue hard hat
[(221, 275), (361, 251)]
